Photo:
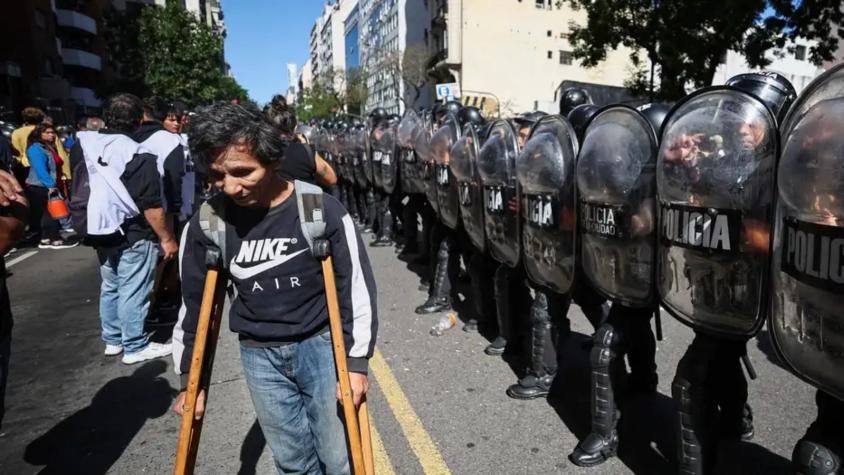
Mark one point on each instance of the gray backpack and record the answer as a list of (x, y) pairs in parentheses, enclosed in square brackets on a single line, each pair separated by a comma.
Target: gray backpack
[(309, 200)]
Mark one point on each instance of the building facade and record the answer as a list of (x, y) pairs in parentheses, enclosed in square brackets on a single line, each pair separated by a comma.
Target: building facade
[(792, 62), (53, 53), (510, 56), (328, 43)]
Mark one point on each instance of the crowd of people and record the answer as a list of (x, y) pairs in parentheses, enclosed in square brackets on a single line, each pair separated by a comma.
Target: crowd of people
[(624, 211)]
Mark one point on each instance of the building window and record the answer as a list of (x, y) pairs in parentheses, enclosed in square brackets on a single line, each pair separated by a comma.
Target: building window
[(550, 55), (540, 3), (566, 57), (800, 53)]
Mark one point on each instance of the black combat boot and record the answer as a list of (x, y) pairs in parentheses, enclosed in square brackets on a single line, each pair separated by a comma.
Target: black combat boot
[(440, 297), (602, 442), (385, 230), (811, 458), (540, 375)]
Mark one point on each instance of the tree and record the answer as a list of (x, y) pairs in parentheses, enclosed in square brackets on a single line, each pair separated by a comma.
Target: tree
[(356, 91), (410, 67), (170, 53), (320, 101), (686, 41)]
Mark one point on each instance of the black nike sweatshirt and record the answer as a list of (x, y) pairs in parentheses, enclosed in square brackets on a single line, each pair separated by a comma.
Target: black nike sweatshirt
[(279, 291)]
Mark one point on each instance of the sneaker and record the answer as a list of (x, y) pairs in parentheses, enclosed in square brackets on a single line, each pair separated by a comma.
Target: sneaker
[(62, 244), (44, 244), (152, 351), (113, 350)]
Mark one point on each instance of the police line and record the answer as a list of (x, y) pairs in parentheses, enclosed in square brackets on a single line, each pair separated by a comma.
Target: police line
[(725, 209)]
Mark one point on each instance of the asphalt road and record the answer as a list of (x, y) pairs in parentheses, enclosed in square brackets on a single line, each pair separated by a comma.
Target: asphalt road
[(437, 403)]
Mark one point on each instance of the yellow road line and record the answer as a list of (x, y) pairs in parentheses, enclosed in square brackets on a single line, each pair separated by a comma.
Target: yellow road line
[(382, 461), (420, 442)]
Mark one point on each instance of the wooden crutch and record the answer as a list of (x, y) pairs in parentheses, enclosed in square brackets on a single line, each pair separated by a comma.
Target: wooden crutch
[(202, 360), (357, 421)]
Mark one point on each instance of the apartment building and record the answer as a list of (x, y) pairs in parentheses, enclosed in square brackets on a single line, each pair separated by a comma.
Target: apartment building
[(510, 56), (327, 43), (791, 61)]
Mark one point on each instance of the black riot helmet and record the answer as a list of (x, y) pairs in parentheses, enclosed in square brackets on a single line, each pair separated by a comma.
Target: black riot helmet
[(580, 116), (573, 97), (528, 118), (655, 113), (772, 88), (393, 119), (470, 116), (447, 109), (377, 115)]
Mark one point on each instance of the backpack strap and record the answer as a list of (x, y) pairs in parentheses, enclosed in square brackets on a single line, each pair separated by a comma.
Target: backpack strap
[(309, 199), (214, 227)]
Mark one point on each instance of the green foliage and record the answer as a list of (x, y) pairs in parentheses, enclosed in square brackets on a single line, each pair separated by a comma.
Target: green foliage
[(688, 39), (169, 53), (317, 102), (356, 92)]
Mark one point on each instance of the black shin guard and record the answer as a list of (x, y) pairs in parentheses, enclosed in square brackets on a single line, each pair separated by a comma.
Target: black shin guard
[(439, 298), (543, 355)]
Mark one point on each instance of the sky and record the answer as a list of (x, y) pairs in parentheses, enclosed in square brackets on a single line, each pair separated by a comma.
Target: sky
[(262, 37)]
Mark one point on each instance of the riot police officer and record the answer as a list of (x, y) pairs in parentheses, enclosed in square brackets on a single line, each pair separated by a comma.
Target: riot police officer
[(445, 262), (715, 180), (501, 197), (574, 97), (385, 171), (807, 267), (617, 188), (463, 165), (410, 178)]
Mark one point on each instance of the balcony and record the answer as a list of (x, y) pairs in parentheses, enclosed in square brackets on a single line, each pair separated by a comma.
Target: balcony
[(75, 57), (438, 57), (84, 96), (438, 20), (72, 19)]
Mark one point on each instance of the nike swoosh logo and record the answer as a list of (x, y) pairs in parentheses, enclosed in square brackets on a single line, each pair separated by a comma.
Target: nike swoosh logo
[(243, 273)]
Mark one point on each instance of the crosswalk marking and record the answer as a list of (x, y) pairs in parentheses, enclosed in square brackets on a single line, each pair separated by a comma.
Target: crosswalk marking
[(420, 441)]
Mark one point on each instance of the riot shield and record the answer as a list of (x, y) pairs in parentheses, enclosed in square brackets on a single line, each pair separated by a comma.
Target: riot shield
[(464, 168), (375, 139), (368, 167), (497, 167), (427, 167), (807, 283), (447, 191), (715, 181), (617, 214), (389, 165), (545, 169), (410, 169), (358, 158)]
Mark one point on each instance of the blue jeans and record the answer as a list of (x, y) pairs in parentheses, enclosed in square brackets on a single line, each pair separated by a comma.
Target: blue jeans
[(293, 389), (124, 295)]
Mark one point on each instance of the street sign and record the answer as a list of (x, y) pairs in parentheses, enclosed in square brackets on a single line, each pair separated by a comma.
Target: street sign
[(448, 91)]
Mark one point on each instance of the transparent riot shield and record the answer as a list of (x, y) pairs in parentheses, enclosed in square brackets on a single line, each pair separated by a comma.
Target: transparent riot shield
[(464, 168), (807, 287), (715, 181), (497, 167), (447, 192), (545, 169), (617, 216)]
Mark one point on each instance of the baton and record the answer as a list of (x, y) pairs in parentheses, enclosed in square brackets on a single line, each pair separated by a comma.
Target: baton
[(205, 345), (751, 371), (357, 421)]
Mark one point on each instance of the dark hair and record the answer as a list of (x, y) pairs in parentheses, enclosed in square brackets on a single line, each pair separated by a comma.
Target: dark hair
[(222, 124), (35, 135), (81, 122), (124, 112), (176, 108), (32, 115), (156, 108), (281, 115)]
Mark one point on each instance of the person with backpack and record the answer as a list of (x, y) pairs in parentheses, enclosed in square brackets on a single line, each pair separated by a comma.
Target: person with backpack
[(116, 206), (279, 309)]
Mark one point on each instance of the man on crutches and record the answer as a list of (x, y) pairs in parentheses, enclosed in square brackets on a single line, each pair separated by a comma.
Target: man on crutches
[(282, 296)]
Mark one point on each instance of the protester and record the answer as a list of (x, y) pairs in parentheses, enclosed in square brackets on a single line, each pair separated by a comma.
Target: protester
[(124, 219), (45, 180), (279, 309), (13, 213), (31, 116), (301, 162), (173, 117)]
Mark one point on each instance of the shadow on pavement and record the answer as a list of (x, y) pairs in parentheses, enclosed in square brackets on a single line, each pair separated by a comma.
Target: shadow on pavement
[(91, 440), (251, 450), (766, 346)]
